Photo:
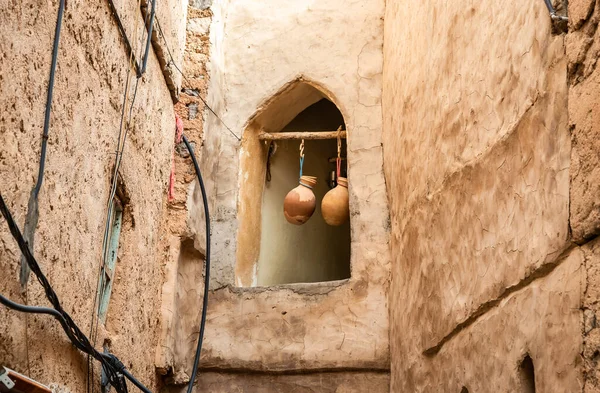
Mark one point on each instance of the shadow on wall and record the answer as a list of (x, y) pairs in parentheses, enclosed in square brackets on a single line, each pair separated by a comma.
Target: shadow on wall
[(190, 273), (527, 375)]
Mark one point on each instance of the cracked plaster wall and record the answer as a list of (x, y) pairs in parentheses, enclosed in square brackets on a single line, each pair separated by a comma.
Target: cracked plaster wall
[(583, 49), (256, 49), (88, 94), (476, 156)]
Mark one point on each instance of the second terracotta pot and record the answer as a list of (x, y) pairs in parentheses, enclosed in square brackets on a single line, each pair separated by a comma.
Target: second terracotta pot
[(335, 206)]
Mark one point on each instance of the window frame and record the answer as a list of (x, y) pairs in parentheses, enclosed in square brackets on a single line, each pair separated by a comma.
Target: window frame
[(110, 258)]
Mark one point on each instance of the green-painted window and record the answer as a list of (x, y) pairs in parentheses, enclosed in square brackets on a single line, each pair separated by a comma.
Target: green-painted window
[(110, 258)]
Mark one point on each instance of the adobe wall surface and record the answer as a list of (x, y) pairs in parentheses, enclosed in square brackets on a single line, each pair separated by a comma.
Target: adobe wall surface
[(305, 326), (182, 249), (582, 49), (88, 94), (477, 155)]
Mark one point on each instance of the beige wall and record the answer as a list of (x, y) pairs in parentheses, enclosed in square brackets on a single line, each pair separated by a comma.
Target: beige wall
[(182, 249), (582, 49), (306, 327), (476, 155), (92, 66), (311, 252)]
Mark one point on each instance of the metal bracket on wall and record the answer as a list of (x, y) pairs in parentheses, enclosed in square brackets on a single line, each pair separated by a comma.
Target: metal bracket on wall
[(6, 383), (553, 14)]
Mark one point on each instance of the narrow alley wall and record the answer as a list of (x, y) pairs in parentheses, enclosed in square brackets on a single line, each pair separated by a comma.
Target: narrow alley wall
[(183, 240), (582, 50), (326, 336), (477, 160), (86, 110)]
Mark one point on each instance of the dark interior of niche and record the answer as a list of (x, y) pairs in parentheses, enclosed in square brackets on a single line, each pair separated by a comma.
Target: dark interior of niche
[(464, 390), (123, 197), (315, 251), (320, 116), (527, 375)]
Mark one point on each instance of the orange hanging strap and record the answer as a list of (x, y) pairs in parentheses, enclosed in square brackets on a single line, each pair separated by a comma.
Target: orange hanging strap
[(338, 161)]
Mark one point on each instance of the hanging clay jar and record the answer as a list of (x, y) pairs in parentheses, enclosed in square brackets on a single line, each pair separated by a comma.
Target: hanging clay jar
[(299, 204), (335, 208)]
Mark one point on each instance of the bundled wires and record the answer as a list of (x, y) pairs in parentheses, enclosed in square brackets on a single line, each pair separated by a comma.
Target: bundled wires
[(111, 365), (113, 368), (552, 11)]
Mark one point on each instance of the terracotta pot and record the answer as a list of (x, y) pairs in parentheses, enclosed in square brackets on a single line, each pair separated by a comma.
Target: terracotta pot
[(299, 204), (335, 208)]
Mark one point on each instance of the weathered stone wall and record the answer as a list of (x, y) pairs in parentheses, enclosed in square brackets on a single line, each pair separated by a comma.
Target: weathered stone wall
[(257, 49), (582, 50), (591, 310), (183, 249), (88, 95), (477, 154)]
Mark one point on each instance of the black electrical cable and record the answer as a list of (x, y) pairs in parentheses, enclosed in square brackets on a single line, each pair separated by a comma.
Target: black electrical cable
[(31, 218), (207, 269), (552, 11), (133, 380), (112, 366), (33, 310), (128, 47), (61, 10), (150, 26)]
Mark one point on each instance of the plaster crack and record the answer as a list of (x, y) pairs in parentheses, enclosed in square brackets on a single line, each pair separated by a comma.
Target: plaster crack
[(483, 309)]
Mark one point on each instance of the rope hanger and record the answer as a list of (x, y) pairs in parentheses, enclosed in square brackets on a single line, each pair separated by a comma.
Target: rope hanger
[(301, 158)]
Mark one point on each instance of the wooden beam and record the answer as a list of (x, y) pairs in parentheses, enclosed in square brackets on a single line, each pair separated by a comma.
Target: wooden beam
[(278, 136)]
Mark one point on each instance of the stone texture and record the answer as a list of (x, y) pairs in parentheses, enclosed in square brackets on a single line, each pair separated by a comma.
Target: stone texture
[(591, 307), (542, 320), (299, 327), (202, 4), (168, 35), (579, 12), (583, 49), (183, 237), (89, 87), (198, 25), (477, 155)]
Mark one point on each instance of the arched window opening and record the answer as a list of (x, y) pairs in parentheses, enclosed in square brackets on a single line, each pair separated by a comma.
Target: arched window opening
[(271, 251), (323, 115)]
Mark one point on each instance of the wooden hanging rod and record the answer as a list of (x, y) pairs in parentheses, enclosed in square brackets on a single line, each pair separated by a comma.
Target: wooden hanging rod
[(278, 136)]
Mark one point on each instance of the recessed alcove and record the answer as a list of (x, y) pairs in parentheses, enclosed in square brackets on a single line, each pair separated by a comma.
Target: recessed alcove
[(270, 250), (527, 375)]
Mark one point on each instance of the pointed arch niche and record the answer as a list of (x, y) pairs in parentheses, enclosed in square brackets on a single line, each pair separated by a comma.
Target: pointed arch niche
[(270, 251)]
